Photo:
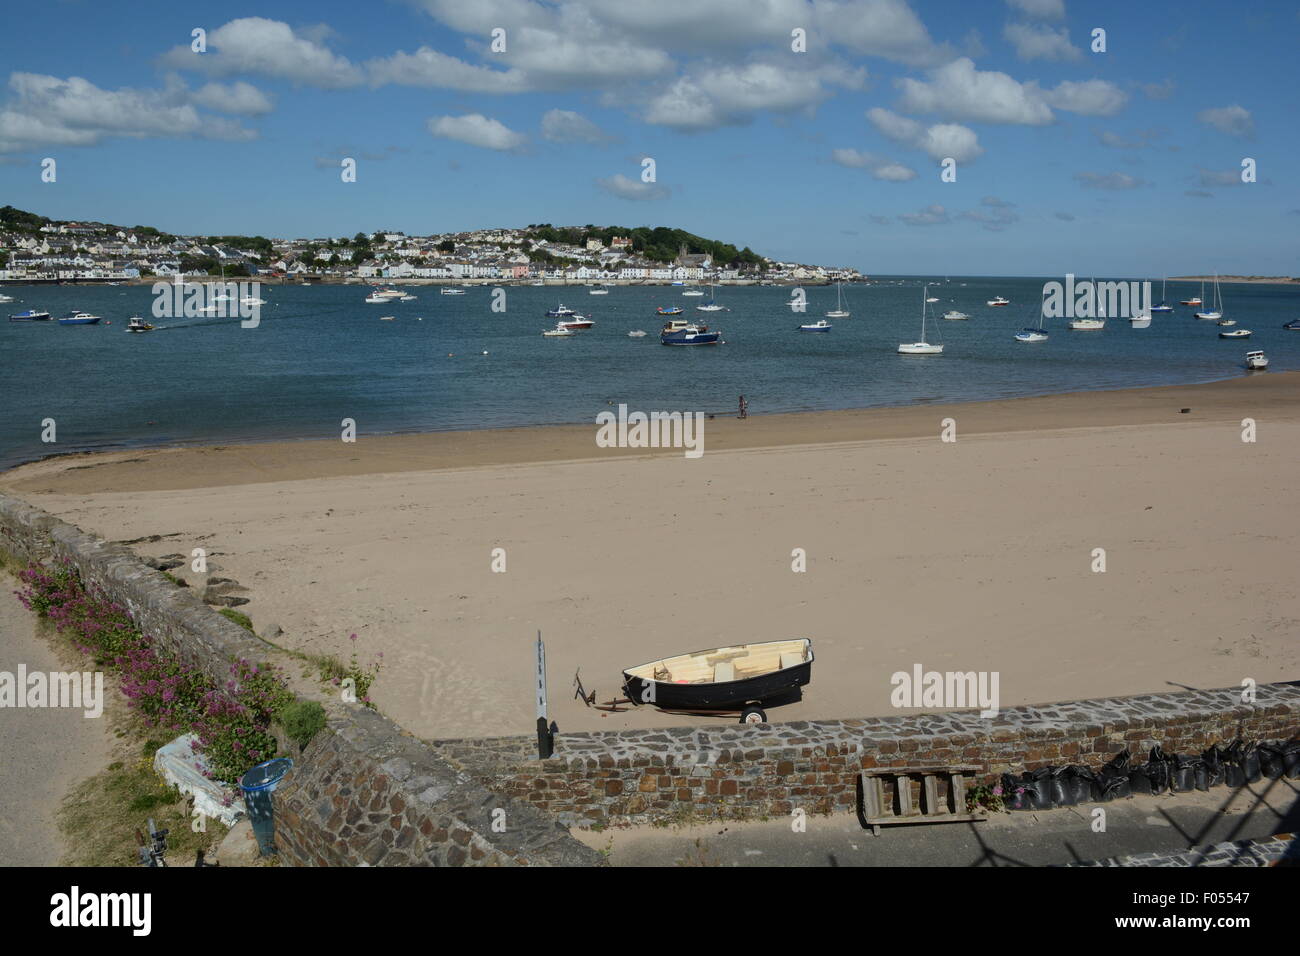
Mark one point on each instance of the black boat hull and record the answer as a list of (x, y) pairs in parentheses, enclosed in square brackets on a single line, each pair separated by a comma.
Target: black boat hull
[(728, 695)]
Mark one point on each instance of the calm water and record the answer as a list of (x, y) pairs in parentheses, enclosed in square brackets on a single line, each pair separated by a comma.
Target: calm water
[(321, 354)]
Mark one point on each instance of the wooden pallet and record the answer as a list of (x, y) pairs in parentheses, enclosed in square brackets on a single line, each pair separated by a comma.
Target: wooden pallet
[(875, 811)]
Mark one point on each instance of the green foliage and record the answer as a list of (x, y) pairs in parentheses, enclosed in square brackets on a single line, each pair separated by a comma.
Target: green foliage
[(243, 620), (302, 720), (658, 244), (18, 219)]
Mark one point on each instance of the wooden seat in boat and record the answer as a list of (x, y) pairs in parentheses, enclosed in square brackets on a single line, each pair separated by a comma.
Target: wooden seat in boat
[(723, 671)]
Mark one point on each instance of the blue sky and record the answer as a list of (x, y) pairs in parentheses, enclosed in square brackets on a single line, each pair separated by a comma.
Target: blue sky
[(1125, 162)]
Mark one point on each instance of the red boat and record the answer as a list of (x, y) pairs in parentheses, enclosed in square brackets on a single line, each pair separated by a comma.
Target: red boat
[(577, 322)]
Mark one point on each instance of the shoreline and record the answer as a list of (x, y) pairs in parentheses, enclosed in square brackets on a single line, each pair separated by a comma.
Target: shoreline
[(205, 463)]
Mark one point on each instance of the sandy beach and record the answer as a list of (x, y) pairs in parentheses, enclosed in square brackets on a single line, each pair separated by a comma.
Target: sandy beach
[(971, 555)]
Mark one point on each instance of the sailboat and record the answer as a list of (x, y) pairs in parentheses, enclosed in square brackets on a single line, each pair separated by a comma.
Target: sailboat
[(1033, 333), (1216, 308), (839, 312), (711, 305), (1161, 307), (922, 347)]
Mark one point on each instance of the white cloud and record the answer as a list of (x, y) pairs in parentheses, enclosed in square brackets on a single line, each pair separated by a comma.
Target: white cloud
[(732, 95), (624, 188), (1039, 42), (48, 110), (932, 215), (1042, 9), (1234, 120), (477, 130), (1109, 180), (1089, 98), (426, 67), (942, 141), (565, 126), (256, 45), (959, 91), (993, 214), (240, 98), (879, 167), (885, 28)]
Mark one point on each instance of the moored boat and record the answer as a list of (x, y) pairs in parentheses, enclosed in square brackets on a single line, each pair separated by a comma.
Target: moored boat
[(560, 311), (1235, 334), (558, 333), (675, 310), (997, 300), (952, 315), (821, 325), (1256, 360), (575, 321), (922, 347), (743, 677), (1292, 326), (1087, 325), (30, 315), (681, 332), (78, 318)]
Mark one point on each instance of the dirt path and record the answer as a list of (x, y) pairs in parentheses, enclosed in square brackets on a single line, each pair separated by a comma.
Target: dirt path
[(44, 752)]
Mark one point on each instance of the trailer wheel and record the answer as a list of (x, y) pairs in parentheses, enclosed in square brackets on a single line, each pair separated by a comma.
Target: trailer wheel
[(753, 715)]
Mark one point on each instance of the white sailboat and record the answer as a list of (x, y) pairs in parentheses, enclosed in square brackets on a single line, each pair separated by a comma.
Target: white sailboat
[(1216, 308), (839, 312), (922, 347), (711, 305), (1162, 306), (1033, 333)]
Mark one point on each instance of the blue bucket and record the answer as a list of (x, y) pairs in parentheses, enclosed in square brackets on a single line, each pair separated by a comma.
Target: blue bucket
[(258, 784)]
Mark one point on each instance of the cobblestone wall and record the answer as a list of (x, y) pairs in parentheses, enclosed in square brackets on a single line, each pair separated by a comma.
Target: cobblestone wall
[(364, 791), (744, 771)]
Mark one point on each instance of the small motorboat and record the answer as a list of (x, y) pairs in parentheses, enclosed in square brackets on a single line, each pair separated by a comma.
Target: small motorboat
[(560, 312), (407, 298), (601, 291), (997, 300), (675, 310), (558, 333), (821, 325), (1142, 320), (1256, 360), (252, 300), (1226, 322), (30, 315), (952, 315), (933, 298), (680, 332), (636, 334), (387, 318), (6, 298), (1087, 325), (1162, 307), (78, 318), (1235, 334), (137, 324), (693, 292), (575, 321), (744, 678), (376, 299), (1293, 325), (453, 291), (1194, 300)]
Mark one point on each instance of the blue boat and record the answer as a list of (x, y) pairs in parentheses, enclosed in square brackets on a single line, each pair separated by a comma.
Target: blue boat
[(680, 332), (821, 325), (78, 318), (1293, 325), (31, 315)]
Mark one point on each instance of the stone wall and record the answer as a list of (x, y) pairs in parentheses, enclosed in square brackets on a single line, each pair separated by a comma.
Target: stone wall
[(742, 771), (364, 791)]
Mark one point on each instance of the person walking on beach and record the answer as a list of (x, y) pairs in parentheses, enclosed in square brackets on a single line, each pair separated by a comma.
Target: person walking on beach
[(744, 407)]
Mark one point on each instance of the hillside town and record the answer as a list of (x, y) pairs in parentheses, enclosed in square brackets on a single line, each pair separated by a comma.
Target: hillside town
[(35, 250)]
